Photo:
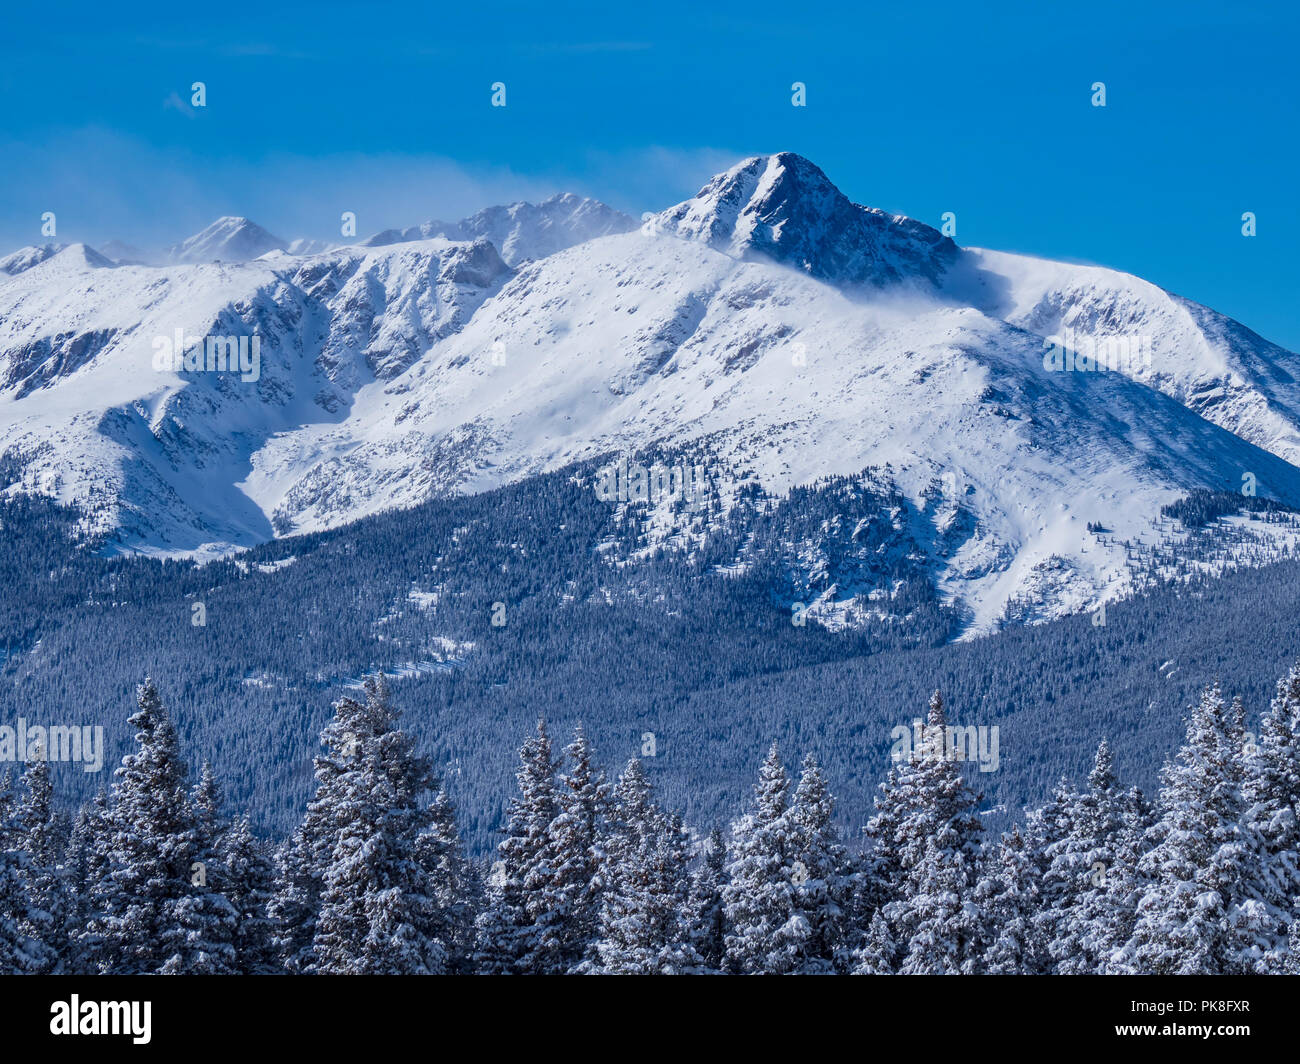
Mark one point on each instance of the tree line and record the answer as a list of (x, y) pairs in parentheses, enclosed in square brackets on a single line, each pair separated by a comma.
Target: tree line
[(594, 876)]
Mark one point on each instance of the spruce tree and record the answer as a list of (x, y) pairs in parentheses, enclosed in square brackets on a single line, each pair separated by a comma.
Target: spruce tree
[(299, 875), (1007, 896), (1271, 795), (203, 931), (820, 877), (518, 931), (1124, 883), (453, 885), (159, 916), (376, 910), (877, 955), (935, 923), (708, 921), (301, 861), (643, 918), (208, 802), (249, 886), (22, 950), (44, 886), (763, 936), (576, 839), (1082, 866), (1191, 871), (87, 864)]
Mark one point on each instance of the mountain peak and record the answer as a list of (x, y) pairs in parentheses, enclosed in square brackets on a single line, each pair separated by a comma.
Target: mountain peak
[(228, 239), (783, 207), (73, 256), (25, 258)]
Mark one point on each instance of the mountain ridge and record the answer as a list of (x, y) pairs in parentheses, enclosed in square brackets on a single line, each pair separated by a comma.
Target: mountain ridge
[(769, 323)]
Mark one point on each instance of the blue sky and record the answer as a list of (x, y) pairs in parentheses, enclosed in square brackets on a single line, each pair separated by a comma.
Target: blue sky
[(919, 108)]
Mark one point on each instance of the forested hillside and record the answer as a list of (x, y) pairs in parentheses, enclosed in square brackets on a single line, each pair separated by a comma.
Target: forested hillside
[(695, 652)]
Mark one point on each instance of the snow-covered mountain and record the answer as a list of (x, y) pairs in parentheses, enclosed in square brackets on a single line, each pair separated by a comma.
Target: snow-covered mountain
[(26, 258), (768, 326), (226, 240)]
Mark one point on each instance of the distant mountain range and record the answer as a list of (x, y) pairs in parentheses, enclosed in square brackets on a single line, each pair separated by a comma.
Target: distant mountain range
[(768, 329)]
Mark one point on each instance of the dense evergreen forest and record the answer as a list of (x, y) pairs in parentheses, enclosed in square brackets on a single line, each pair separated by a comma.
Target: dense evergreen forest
[(599, 876)]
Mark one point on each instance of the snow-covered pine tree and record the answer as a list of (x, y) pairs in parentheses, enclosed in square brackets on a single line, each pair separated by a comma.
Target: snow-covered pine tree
[(677, 955), (876, 872), (1079, 923), (1124, 883), (1288, 961), (1271, 793), (453, 885), (376, 910), (299, 871), (1047, 830), (203, 925), (643, 926), (876, 955), (880, 869), (1106, 908), (708, 922), (155, 917), (1007, 895), (758, 897), (517, 932), (901, 822), (936, 832), (1192, 869), (1240, 865), (249, 886), (22, 951), (208, 803), (576, 841), (302, 860), (44, 886), (820, 876), (87, 862)]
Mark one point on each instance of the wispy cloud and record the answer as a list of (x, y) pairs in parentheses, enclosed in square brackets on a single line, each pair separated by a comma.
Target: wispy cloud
[(176, 102), (105, 186)]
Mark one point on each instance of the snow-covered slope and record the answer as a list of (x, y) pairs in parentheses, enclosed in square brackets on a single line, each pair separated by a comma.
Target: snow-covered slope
[(631, 341), (524, 231), (159, 455), (307, 246), (768, 326), (1208, 362)]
